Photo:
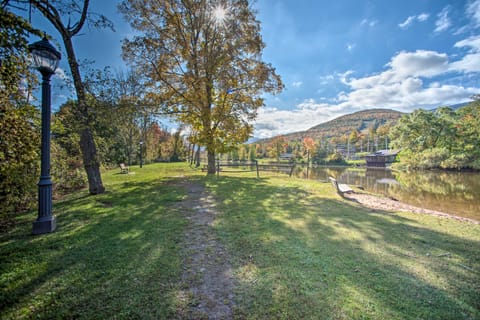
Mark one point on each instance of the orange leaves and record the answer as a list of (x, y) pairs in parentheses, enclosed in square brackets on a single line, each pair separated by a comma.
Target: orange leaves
[(309, 144)]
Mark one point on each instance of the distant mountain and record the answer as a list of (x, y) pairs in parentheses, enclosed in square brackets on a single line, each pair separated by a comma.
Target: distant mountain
[(360, 121)]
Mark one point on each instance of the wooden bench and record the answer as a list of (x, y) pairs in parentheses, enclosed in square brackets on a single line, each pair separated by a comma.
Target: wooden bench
[(341, 188), (123, 168)]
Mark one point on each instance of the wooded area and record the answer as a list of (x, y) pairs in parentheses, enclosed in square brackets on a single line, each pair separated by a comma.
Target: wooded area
[(190, 60), (443, 138)]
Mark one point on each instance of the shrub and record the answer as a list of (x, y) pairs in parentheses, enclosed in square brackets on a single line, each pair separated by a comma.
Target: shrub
[(336, 158), (19, 144), (67, 172)]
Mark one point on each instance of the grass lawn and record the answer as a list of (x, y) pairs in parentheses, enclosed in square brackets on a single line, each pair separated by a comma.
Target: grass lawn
[(298, 251)]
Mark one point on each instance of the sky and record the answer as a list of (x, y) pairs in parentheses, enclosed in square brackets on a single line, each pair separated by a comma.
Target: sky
[(338, 57)]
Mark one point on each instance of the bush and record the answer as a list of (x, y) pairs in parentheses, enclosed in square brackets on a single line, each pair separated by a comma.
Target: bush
[(456, 161), (432, 158), (336, 158), (67, 172), (19, 158)]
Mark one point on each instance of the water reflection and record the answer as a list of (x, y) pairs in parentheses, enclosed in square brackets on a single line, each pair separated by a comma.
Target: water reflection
[(452, 192)]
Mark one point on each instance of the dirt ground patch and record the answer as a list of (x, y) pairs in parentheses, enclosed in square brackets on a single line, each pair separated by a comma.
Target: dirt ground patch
[(207, 280), (387, 204)]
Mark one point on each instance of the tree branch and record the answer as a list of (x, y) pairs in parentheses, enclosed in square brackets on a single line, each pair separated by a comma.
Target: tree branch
[(78, 26)]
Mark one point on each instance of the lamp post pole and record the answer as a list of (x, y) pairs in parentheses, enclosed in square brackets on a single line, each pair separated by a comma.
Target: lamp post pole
[(45, 222), (46, 61)]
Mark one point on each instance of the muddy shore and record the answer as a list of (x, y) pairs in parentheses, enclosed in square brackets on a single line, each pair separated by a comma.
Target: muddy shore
[(387, 204)]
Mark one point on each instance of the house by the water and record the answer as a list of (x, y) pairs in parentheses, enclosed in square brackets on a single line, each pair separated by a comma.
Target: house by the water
[(381, 158)]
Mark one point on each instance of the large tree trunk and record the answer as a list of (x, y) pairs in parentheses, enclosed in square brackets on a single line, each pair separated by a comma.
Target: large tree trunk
[(189, 154), (87, 143), (197, 157), (90, 162), (192, 155), (211, 162)]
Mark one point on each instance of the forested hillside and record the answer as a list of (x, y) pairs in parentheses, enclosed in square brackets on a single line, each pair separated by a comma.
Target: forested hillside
[(360, 122)]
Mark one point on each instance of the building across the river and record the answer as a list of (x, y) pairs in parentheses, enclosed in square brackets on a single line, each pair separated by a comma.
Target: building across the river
[(381, 158)]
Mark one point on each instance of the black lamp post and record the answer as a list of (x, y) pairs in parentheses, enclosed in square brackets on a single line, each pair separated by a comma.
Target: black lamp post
[(141, 152), (45, 60)]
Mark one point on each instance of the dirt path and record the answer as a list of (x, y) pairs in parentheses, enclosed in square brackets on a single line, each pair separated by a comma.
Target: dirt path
[(382, 203), (207, 281)]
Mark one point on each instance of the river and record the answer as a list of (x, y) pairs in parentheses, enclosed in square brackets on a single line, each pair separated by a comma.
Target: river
[(457, 193)]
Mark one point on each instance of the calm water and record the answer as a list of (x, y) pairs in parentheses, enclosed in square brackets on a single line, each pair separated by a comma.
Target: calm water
[(452, 192)]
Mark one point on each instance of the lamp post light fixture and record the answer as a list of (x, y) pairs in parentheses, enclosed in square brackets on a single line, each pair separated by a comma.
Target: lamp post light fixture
[(45, 60), (141, 152)]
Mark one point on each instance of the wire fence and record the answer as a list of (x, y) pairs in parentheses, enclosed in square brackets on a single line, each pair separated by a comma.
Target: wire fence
[(254, 166)]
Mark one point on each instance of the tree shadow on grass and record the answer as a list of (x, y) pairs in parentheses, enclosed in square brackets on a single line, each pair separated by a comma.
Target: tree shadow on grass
[(113, 255), (297, 255), (301, 255)]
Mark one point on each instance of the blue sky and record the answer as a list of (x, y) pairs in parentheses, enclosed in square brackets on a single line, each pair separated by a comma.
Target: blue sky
[(337, 57)]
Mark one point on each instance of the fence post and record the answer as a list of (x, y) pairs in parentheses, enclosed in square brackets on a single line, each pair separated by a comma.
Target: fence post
[(256, 164), (218, 168)]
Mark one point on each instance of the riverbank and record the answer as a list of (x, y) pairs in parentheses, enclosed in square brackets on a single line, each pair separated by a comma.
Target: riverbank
[(454, 193), (382, 203)]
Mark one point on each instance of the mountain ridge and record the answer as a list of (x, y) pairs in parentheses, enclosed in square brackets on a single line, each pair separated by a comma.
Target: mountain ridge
[(345, 124)]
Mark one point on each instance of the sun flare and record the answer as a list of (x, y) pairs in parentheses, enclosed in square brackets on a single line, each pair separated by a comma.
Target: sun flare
[(220, 14)]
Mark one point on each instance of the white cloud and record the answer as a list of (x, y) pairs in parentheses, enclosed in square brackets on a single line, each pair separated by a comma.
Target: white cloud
[(272, 121), (423, 17), (472, 42), (473, 11), (461, 30), (443, 22), (326, 79), (401, 86), (343, 77), (59, 72), (419, 63), (471, 61), (297, 84), (443, 95), (411, 19), (407, 22), (407, 95), (367, 22)]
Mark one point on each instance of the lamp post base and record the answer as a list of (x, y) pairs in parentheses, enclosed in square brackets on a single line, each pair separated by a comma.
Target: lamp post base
[(44, 225)]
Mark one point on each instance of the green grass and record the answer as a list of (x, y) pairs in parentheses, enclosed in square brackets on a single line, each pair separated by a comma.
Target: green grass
[(113, 255), (298, 250), (303, 253), (356, 163)]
